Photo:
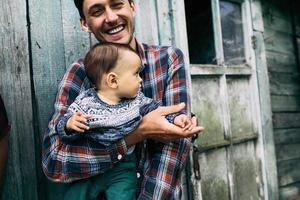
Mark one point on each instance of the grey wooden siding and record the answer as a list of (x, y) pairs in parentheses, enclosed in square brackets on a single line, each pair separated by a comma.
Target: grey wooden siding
[(283, 68)]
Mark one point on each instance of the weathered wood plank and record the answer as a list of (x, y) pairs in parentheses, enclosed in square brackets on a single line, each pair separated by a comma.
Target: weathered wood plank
[(287, 151), (276, 41), (268, 157), (48, 64), (288, 172), (279, 24), (284, 83), (214, 179), (246, 173), (257, 18), (207, 106), (279, 8), (164, 18), (146, 17), (286, 120), (287, 136), (15, 88), (278, 62), (241, 116), (76, 41), (285, 103), (290, 192)]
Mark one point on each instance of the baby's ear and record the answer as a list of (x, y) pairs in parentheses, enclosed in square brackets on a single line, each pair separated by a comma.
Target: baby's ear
[(112, 80)]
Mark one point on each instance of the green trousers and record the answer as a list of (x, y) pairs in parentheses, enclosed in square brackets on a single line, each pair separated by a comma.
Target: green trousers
[(119, 183)]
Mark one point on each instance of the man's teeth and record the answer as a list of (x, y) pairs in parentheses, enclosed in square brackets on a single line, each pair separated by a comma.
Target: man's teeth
[(115, 30)]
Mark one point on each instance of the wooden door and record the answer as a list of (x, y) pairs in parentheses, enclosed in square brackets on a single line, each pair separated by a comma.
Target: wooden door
[(225, 99)]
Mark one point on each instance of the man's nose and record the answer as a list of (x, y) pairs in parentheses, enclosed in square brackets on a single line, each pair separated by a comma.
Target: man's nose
[(111, 16)]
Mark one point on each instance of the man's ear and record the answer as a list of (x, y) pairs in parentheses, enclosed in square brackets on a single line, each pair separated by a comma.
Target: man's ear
[(84, 26), (133, 8), (112, 80)]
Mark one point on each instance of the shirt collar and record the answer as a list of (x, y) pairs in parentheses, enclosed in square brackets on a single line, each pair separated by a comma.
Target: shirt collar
[(141, 51)]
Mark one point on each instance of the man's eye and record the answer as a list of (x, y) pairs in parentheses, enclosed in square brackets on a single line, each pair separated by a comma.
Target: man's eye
[(96, 12), (117, 5)]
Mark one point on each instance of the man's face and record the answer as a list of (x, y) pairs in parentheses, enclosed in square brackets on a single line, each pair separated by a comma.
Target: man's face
[(110, 20)]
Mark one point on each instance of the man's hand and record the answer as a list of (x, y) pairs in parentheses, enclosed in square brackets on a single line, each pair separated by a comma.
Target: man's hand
[(78, 122), (155, 126)]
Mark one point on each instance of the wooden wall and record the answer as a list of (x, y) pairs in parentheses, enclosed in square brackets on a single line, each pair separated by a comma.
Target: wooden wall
[(281, 21)]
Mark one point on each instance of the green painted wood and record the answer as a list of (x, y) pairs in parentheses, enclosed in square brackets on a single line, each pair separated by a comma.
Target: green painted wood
[(285, 103), (276, 41), (284, 83), (288, 172), (287, 136), (278, 23), (15, 88), (287, 151), (279, 62), (286, 120)]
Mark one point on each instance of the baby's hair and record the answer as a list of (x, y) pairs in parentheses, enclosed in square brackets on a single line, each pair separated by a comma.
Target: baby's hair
[(102, 58)]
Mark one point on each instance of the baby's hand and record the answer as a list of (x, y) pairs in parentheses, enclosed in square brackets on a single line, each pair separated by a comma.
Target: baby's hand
[(78, 122), (184, 122)]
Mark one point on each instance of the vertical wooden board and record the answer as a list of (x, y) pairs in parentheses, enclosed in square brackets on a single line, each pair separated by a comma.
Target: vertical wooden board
[(246, 175), (239, 97), (146, 24), (179, 26), (214, 181), (207, 106), (265, 143), (256, 15), (48, 64), (15, 88), (164, 18), (48, 60), (76, 41)]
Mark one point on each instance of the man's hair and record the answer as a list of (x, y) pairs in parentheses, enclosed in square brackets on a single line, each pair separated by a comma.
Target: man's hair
[(79, 6), (102, 58)]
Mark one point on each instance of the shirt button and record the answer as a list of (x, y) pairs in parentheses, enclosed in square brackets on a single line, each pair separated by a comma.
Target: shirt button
[(138, 175), (120, 157)]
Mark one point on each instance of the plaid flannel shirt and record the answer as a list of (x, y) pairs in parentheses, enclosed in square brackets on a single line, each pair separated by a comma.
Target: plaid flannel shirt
[(164, 79)]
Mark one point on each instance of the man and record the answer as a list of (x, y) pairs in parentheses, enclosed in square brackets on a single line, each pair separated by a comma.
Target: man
[(164, 78)]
